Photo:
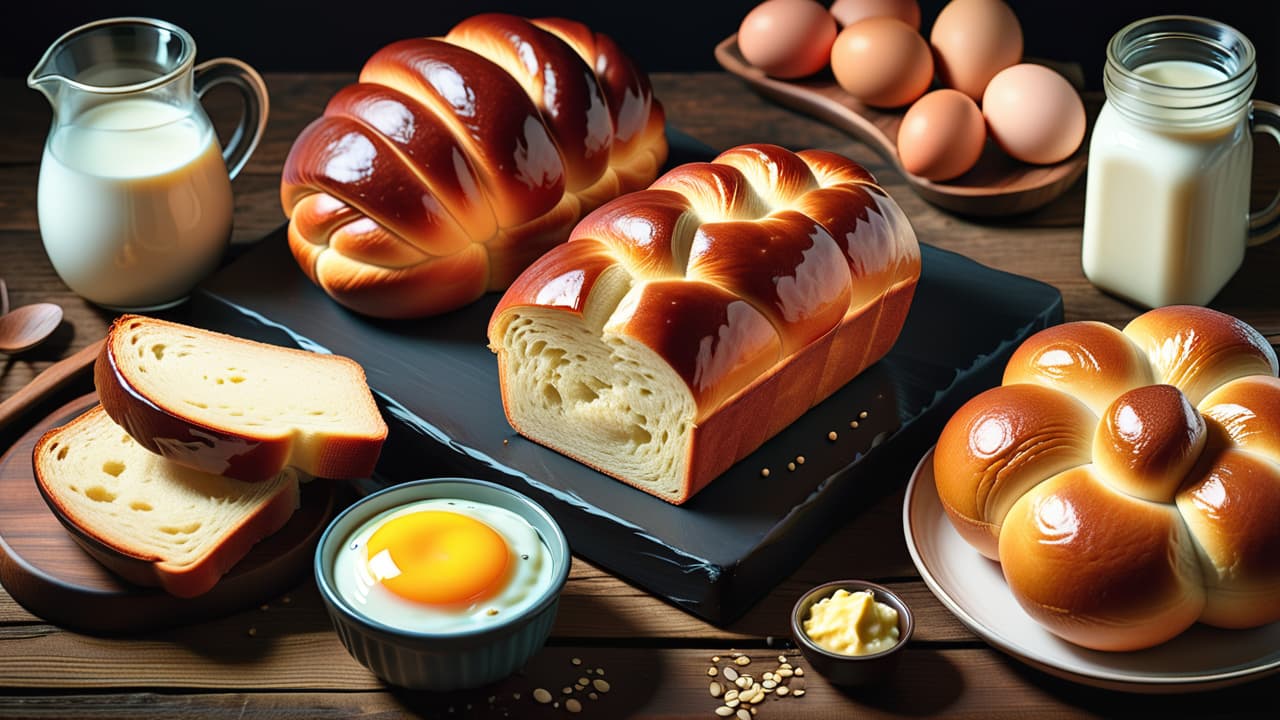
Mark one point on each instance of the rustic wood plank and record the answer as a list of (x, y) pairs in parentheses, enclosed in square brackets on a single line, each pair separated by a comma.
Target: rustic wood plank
[(668, 683)]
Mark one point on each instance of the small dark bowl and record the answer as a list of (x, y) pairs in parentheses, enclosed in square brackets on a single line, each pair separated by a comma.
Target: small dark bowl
[(852, 670)]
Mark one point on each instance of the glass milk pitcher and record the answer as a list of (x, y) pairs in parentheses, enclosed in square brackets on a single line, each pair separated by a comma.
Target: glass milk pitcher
[(134, 199), (1167, 202)]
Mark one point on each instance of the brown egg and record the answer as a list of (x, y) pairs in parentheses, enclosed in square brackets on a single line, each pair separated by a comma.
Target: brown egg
[(973, 40), (1034, 114), (941, 135), (882, 61), (848, 12), (787, 38)]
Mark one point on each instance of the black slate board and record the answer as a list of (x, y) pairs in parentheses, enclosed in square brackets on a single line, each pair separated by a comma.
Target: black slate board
[(719, 553)]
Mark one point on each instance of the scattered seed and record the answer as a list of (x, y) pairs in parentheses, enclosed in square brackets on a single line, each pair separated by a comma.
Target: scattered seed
[(542, 695), (799, 672), (799, 459), (785, 672), (515, 696), (555, 704), (731, 696), (576, 661), (567, 690), (715, 658), (854, 424), (579, 688), (253, 632), (600, 671), (742, 682), (590, 671), (764, 472), (716, 689), (769, 684), (742, 660), (491, 612), (572, 705), (782, 659), (791, 466), (768, 676), (732, 703), (601, 685), (730, 674), (583, 681), (832, 436), (783, 690), (798, 693), (592, 696), (724, 711), (264, 607), (286, 599), (743, 714), (862, 414), (712, 671)]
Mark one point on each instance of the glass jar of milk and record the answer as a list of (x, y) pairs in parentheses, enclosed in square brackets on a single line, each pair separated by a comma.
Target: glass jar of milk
[(1167, 200), (134, 200)]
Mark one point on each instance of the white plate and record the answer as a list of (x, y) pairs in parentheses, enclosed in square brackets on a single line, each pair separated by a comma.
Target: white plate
[(973, 588)]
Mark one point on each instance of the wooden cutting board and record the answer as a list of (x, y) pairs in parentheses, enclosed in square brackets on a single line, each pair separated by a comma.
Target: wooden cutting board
[(51, 576)]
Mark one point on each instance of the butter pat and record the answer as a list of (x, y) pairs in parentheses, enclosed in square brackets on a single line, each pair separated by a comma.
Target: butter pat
[(852, 623)]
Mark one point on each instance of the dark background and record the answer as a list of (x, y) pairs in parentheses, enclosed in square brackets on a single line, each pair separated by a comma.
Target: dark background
[(662, 35)]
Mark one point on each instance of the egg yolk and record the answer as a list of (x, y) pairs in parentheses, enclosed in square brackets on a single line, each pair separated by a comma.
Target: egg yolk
[(438, 558)]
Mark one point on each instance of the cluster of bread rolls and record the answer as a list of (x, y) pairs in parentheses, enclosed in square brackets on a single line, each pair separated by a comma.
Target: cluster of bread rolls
[(682, 326), (1127, 481), (455, 161)]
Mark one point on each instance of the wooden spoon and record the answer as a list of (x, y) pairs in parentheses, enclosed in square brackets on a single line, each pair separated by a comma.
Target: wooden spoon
[(998, 185), (27, 326)]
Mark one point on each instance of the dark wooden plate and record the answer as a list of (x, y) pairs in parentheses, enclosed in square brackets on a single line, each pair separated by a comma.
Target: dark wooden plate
[(998, 185), (44, 569)]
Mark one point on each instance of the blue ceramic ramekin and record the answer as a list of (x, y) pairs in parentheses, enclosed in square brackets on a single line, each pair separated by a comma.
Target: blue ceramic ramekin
[(440, 661)]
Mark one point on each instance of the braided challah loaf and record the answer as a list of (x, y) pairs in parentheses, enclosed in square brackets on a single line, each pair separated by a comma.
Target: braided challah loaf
[(683, 325), (1128, 482), (457, 161)]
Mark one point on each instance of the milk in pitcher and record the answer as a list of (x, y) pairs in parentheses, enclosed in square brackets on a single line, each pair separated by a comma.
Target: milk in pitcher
[(135, 204)]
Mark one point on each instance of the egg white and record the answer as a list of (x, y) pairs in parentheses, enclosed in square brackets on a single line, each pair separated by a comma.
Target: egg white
[(531, 575)]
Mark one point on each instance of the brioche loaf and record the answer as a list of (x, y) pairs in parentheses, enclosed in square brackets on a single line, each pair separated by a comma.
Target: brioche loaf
[(683, 325), (1127, 481), (234, 407), (149, 520), (456, 161)]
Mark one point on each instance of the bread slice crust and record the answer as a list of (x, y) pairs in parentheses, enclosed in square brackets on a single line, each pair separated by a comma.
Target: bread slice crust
[(116, 539), (168, 426)]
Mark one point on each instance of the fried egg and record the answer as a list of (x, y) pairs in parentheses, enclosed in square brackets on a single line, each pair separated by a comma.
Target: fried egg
[(443, 565)]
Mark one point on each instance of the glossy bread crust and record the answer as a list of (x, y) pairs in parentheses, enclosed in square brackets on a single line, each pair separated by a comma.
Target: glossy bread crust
[(475, 152), (1162, 512), (764, 280)]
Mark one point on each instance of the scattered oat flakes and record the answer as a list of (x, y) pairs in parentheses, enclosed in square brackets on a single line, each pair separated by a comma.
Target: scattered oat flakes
[(572, 705), (542, 695)]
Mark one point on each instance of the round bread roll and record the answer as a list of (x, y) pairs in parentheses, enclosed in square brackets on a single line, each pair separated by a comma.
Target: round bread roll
[(1127, 481), (455, 162)]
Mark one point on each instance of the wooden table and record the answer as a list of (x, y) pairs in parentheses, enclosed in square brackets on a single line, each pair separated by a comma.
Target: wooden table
[(284, 661)]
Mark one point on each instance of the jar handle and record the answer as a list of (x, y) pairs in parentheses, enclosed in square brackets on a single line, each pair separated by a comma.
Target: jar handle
[(253, 116), (1264, 117)]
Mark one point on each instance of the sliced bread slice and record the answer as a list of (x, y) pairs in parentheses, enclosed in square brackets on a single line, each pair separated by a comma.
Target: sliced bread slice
[(149, 520), (235, 407)]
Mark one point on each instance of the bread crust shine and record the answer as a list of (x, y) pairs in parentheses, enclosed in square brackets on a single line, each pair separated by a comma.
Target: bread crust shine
[(1163, 512)]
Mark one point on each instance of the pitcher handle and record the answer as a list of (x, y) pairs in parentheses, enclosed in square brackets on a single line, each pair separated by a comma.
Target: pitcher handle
[(1264, 225), (253, 116)]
